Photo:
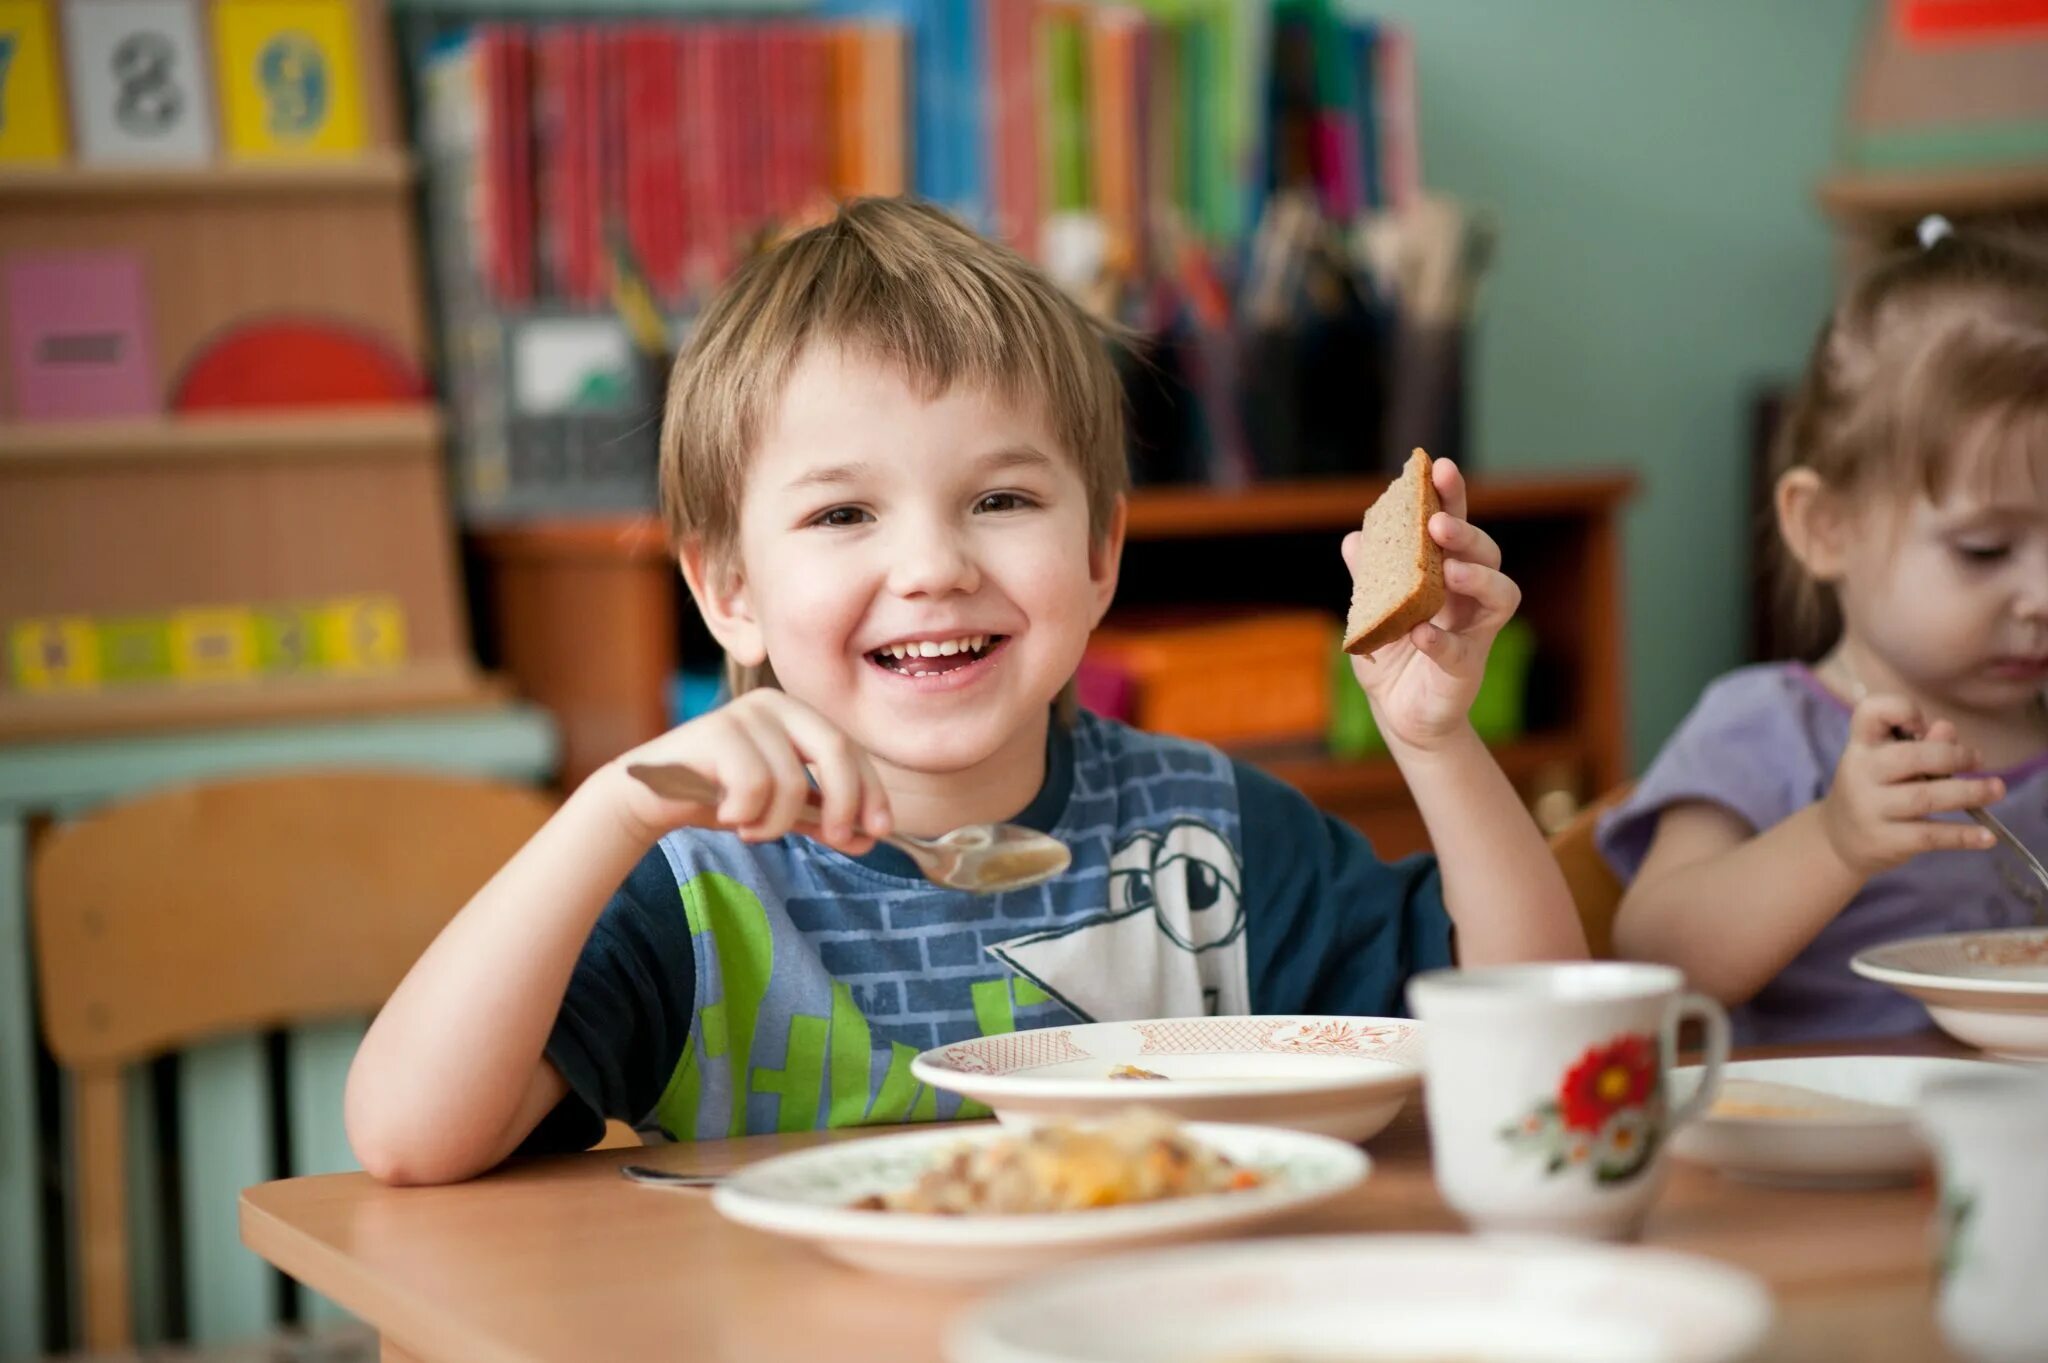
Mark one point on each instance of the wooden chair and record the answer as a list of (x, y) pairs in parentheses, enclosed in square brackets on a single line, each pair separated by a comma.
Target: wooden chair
[(1595, 889), (237, 906)]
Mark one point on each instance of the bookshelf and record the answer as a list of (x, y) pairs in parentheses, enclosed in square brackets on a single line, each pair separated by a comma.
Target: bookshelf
[(397, 432), (376, 171), (561, 593), (236, 537), (1896, 198)]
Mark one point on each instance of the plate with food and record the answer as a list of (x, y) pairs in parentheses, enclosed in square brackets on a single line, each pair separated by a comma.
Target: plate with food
[(1376, 1299), (988, 1202), (1985, 989), (1815, 1121), (1335, 1076)]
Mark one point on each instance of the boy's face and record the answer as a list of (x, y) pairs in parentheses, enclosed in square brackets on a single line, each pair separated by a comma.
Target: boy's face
[(873, 520)]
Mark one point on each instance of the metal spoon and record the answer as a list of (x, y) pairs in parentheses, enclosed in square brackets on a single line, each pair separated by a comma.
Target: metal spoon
[(983, 858), (663, 1178)]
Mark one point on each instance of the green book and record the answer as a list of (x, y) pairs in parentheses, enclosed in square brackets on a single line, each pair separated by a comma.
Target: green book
[(1066, 60)]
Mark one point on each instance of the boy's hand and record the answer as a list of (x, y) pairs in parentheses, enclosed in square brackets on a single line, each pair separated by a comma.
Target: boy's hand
[(1422, 686), (1877, 813), (757, 748)]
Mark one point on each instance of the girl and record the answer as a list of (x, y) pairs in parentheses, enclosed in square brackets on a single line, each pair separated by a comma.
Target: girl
[(1801, 814)]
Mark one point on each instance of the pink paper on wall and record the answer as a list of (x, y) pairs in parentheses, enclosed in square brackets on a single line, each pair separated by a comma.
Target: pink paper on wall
[(78, 336)]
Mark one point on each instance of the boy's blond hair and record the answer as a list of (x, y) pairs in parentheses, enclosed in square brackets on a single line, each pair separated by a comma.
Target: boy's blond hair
[(899, 282)]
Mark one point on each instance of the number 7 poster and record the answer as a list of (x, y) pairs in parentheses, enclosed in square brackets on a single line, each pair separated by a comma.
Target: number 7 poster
[(289, 76), (31, 104)]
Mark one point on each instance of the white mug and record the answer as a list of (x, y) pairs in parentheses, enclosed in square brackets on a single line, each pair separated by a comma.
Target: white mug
[(1990, 1136), (1548, 1090)]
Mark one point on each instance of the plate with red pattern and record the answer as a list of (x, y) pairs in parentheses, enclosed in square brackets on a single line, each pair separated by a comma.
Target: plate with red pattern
[(1335, 1076)]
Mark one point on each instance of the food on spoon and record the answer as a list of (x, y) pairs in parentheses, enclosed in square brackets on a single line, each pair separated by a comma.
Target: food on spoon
[(1133, 1072), (1765, 1100), (1137, 1157)]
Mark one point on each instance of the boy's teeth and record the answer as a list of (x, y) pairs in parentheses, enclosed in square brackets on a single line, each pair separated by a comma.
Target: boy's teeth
[(937, 648)]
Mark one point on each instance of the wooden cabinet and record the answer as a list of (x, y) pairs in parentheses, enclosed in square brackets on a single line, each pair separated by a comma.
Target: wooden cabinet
[(588, 615)]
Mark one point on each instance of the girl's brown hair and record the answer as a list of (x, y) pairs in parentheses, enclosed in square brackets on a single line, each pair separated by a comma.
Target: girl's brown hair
[(1933, 368), (906, 284)]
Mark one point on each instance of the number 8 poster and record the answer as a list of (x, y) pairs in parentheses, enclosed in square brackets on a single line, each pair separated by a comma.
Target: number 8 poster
[(290, 85), (139, 88)]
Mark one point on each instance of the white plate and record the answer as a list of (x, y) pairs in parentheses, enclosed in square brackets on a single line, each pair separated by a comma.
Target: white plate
[(1828, 1149), (1342, 1077), (1378, 1299), (1988, 989), (807, 1195)]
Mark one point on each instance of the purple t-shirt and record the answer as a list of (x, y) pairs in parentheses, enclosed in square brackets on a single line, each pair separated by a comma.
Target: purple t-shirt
[(1763, 743)]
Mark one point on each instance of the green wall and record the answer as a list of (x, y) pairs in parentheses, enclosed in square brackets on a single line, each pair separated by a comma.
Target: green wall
[(1650, 163)]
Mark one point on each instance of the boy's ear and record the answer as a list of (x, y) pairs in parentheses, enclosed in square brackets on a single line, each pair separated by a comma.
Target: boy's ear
[(721, 593), (1813, 521), (1106, 557)]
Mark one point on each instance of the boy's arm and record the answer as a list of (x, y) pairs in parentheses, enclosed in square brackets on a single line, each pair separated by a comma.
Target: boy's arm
[(1502, 887), (1503, 890), (450, 1077)]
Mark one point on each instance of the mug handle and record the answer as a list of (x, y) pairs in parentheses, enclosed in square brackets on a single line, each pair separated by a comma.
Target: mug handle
[(1715, 1020)]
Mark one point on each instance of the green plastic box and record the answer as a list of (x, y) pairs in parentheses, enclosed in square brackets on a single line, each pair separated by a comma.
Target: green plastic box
[(1497, 712)]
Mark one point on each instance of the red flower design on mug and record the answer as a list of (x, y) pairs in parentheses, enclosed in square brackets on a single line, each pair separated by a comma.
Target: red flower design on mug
[(1608, 1079)]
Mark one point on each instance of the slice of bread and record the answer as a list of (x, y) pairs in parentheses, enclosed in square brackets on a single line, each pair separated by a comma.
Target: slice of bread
[(1399, 582)]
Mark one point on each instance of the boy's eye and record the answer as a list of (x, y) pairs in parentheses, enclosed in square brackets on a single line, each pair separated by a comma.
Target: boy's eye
[(1001, 501), (839, 517), (1983, 553)]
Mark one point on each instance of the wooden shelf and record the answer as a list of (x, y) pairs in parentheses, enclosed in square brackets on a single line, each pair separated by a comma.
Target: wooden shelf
[(1157, 513), (381, 170), (397, 431), (438, 684), (1908, 195), (1332, 782), (1339, 504)]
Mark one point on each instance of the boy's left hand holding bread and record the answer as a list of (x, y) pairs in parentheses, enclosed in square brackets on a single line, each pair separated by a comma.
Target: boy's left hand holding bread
[(1417, 554), (1422, 684)]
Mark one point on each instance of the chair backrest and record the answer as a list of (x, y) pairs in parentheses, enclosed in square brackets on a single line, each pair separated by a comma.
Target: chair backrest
[(237, 906), (1596, 890)]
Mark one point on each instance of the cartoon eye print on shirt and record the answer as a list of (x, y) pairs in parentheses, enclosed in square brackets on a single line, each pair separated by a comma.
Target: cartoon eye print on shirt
[(1188, 877)]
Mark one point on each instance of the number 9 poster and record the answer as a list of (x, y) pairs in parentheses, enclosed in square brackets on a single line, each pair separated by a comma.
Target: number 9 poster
[(290, 85)]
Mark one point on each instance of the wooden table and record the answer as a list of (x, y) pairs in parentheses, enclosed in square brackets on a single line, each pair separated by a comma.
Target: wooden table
[(561, 1261)]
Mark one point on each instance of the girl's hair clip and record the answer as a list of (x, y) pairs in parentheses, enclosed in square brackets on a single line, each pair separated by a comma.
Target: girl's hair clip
[(1934, 227)]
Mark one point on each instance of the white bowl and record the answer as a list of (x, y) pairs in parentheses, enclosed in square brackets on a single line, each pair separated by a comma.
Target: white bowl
[(1987, 989), (1386, 1297), (1342, 1077), (1827, 1148), (808, 1194)]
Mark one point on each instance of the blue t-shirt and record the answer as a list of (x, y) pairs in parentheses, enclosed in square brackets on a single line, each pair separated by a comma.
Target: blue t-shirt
[(732, 988)]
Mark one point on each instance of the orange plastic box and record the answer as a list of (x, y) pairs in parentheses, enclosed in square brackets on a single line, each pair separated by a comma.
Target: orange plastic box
[(1250, 679)]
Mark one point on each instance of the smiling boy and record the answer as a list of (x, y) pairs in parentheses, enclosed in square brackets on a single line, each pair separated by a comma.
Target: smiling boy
[(893, 472)]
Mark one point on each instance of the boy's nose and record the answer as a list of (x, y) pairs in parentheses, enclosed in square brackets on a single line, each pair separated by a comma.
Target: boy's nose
[(932, 562)]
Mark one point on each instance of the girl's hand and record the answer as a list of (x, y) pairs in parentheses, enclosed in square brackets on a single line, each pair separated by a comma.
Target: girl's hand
[(758, 748), (1422, 686), (1877, 815)]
